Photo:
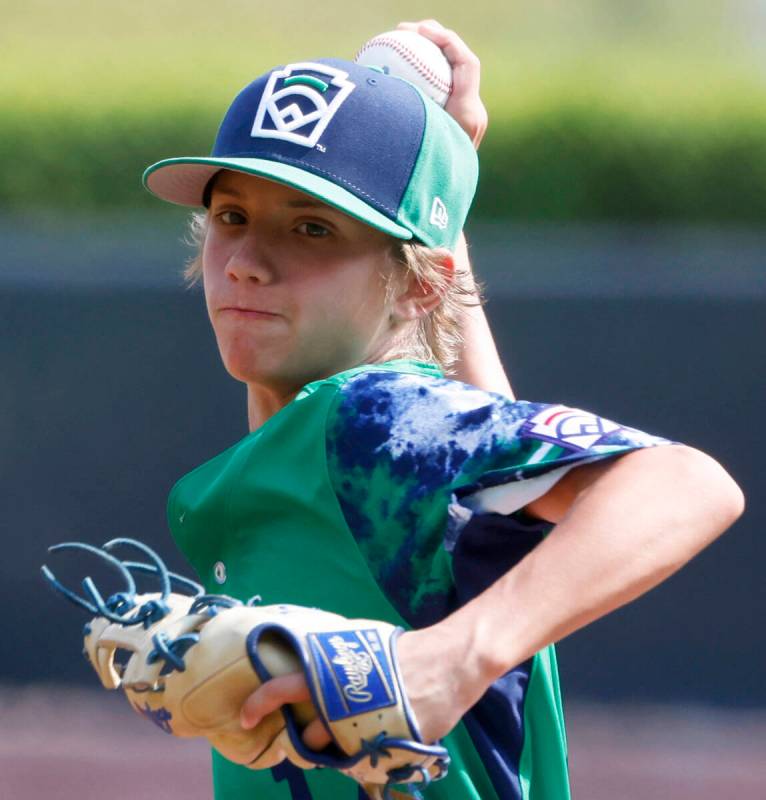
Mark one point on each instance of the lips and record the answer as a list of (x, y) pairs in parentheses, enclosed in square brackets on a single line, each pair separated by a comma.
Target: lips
[(249, 312)]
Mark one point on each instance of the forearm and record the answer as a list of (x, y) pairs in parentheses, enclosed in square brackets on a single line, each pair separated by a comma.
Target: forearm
[(478, 361), (637, 523)]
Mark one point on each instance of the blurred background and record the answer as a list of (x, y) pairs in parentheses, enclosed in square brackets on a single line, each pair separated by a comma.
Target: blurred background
[(620, 228)]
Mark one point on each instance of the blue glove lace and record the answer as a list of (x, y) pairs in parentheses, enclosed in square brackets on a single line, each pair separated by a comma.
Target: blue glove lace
[(374, 748), (121, 606), (404, 774), (212, 604), (171, 651), (377, 747)]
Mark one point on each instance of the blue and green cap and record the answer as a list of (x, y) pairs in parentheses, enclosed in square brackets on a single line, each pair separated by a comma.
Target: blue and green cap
[(364, 142)]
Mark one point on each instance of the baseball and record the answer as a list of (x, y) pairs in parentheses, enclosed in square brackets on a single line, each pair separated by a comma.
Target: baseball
[(409, 55)]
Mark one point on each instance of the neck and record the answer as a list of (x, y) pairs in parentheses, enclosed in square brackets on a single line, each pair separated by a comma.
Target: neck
[(263, 402)]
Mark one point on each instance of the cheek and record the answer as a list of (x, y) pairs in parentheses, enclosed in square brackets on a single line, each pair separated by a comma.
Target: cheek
[(363, 293), (212, 273), (340, 316)]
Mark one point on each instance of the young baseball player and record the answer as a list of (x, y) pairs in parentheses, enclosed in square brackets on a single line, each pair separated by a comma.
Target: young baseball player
[(370, 484)]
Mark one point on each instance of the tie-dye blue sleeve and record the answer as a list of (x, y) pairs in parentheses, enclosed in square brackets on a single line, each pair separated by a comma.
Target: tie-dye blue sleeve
[(412, 457)]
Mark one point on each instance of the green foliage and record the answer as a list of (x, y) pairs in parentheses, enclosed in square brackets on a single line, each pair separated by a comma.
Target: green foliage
[(571, 163), (84, 160), (562, 162), (599, 109)]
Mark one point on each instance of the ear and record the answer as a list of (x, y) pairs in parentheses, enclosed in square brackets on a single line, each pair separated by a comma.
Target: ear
[(417, 298)]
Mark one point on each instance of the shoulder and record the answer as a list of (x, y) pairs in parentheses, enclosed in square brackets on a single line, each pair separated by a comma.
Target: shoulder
[(419, 424), (412, 420), (420, 408), (401, 409), (385, 398)]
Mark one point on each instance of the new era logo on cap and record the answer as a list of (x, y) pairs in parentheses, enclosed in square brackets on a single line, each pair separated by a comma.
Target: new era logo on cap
[(439, 215), (299, 101)]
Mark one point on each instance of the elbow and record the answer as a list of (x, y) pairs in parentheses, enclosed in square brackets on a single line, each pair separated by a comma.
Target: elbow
[(705, 488), (735, 506)]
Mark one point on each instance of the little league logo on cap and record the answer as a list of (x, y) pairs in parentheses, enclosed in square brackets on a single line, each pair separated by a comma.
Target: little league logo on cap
[(297, 99), (366, 143)]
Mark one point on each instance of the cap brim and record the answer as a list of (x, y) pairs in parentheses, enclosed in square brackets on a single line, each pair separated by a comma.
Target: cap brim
[(183, 180)]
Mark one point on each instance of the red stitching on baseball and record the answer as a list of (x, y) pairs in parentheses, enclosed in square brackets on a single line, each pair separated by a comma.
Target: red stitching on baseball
[(408, 56)]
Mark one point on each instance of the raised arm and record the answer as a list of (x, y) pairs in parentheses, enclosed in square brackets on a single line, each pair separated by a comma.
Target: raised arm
[(478, 361)]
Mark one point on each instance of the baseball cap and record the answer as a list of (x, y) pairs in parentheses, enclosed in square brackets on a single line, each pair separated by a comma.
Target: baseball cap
[(367, 143)]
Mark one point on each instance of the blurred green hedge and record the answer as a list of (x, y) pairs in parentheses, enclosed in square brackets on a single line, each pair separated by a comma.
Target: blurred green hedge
[(599, 110), (574, 163), (563, 161)]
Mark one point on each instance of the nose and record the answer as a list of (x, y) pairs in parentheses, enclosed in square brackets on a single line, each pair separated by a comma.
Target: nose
[(251, 261)]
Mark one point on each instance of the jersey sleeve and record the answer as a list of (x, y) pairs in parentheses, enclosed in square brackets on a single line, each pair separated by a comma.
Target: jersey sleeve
[(535, 445), (414, 459)]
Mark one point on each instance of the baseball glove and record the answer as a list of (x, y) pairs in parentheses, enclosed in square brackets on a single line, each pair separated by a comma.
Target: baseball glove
[(188, 660)]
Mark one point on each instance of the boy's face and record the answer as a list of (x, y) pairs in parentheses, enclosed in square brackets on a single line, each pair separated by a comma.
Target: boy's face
[(295, 289)]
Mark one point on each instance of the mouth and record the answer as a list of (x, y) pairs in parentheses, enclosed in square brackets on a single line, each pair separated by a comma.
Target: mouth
[(250, 313)]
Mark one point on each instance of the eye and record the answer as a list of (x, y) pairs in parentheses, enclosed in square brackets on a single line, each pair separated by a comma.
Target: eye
[(313, 229), (231, 218)]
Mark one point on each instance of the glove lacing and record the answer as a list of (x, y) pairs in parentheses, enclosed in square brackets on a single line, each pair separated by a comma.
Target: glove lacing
[(171, 651), (404, 774), (375, 748)]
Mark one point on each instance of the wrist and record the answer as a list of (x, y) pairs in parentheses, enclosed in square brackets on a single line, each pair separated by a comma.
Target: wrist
[(474, 665), (487, 642)]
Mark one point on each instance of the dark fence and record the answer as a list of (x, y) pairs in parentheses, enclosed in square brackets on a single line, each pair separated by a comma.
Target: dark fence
[(110, 390)]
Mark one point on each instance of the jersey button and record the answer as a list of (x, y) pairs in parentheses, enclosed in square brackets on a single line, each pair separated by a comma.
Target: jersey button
[(219, 572)]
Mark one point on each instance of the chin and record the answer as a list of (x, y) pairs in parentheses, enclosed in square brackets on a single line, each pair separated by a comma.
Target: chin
[(243, 363), (251, 363), (265, 369), (251, 371)]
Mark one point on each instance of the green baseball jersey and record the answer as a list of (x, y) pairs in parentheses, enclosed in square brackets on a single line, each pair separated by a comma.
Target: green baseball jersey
[(388, 492)]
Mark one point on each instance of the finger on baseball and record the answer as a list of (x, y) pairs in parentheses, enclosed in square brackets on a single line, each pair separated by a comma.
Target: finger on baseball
[(466, 67), (454, 48), (316, 736), (432, 23), (413, 26), (271, 695), (464, 102)]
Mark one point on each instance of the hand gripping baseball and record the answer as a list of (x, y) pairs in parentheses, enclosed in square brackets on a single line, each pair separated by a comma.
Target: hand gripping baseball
[(189, 661), (464, 103)]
